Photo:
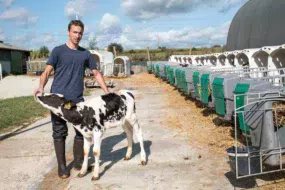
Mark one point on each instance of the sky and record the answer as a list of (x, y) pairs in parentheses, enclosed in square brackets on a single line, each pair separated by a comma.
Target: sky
[(135, 24)]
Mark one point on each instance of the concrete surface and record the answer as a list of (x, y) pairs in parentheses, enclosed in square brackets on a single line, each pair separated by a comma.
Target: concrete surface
[(28, 155), (172, 163), (21, 85)]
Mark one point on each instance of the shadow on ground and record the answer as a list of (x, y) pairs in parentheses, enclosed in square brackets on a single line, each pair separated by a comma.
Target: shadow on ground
[(250, 182), (23, 131), (108, 155)]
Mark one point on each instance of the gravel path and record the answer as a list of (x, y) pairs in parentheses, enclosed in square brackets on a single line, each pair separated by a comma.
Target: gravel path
[(16, 86)]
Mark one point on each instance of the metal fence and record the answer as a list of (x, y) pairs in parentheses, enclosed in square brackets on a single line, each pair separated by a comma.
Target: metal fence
[(139, 67), (139, 63), (36, 66), (261, 121)]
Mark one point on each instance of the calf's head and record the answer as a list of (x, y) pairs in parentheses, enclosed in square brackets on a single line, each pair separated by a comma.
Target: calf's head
[(68, 110), (55, 102)]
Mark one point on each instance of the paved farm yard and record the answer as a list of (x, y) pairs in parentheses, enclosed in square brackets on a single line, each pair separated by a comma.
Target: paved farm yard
[(184, 146)]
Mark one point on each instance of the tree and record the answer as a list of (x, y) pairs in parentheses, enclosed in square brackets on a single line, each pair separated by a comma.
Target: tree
[(44, 51), (119, 47), (162, 48), (35, 54), (216, 46), (92, 43)]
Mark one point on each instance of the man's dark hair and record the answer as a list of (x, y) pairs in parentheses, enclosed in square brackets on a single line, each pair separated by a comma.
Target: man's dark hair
[(75, 23)]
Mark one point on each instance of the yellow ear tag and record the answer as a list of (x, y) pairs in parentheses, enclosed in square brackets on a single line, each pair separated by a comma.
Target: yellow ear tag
[(67, 105)]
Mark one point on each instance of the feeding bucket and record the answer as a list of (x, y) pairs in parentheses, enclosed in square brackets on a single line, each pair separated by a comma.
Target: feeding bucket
[(245, 160)]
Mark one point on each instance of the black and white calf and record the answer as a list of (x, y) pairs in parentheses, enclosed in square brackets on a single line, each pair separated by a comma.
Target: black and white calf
[(94, 116)]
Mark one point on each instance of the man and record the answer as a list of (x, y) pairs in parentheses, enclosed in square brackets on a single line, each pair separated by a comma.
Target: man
[(68, 62)]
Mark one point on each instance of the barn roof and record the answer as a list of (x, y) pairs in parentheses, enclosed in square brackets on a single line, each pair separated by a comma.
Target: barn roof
[(11, 47)]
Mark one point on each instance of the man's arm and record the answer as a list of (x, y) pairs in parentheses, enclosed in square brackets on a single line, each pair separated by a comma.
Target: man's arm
[(99, 78), (44, 79)]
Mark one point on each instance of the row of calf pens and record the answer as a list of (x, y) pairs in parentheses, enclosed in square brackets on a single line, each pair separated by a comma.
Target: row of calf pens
[(250, 97)]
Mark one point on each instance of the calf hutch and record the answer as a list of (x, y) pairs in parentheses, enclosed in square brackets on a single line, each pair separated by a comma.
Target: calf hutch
[(105, 61), (13, 59), (122, 66)]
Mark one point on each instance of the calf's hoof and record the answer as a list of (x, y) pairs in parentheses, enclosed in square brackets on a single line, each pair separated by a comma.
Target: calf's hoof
[(81, 175), (126, 158), (94, 178), (143, 163)]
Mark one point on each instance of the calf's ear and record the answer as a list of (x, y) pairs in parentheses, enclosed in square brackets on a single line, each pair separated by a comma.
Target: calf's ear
[(69, 104)]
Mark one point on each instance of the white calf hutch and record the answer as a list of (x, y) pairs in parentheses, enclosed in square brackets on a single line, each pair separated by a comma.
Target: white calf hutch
[(122, 66), (105, 61)]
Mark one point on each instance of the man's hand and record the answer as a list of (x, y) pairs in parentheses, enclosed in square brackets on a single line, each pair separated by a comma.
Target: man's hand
[(43, 80), (39, 91)]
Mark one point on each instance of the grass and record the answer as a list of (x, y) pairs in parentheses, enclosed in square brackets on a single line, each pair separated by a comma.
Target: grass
[(16, 111), (87, 92)]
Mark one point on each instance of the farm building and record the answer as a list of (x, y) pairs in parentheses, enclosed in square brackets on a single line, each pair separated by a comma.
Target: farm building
[(122, 66), (13, 59), (105, 61)]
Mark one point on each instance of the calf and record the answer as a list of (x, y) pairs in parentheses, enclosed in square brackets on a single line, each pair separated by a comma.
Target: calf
[(94, 116)]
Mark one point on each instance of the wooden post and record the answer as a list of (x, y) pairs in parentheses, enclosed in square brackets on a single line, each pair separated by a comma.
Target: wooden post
[(190, 50), (114, 50), (148, 56)]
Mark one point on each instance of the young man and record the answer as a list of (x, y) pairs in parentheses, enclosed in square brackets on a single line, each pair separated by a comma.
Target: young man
[(68, 62)]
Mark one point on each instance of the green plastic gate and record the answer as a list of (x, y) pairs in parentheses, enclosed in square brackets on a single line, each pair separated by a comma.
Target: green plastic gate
[(218, 93), (241, 89), (196, 82), (205, 86)]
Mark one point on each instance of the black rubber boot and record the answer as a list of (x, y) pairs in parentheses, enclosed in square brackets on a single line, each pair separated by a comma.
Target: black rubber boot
[(78, 153), (59, 146)]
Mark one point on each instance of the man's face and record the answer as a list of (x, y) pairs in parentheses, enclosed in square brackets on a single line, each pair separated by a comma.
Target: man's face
[(75, 34)]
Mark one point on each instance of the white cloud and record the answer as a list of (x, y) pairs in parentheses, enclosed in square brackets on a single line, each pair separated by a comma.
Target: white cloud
[(110, 24), (128, 29), (7, 3), (80, 7), (34, 41), (110, 30), (21, 16), (176, 38), (150, 9)]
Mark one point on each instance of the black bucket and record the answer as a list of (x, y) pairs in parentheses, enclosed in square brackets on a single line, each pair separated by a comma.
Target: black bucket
[(244, 155)]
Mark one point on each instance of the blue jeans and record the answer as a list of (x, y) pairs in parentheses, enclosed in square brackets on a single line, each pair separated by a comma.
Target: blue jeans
[(60, 130)]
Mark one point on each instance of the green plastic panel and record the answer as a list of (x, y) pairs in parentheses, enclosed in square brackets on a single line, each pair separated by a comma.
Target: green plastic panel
[(196, 82), (171, 76), (241, 89), (205, 86), (218, 93), (157, 73)]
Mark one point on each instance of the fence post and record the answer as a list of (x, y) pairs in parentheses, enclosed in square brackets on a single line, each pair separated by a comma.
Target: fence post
[(148, 56), (1, 75), (115, 51)]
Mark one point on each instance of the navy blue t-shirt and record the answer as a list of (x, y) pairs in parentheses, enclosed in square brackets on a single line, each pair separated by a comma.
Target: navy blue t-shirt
[(68, 65)]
